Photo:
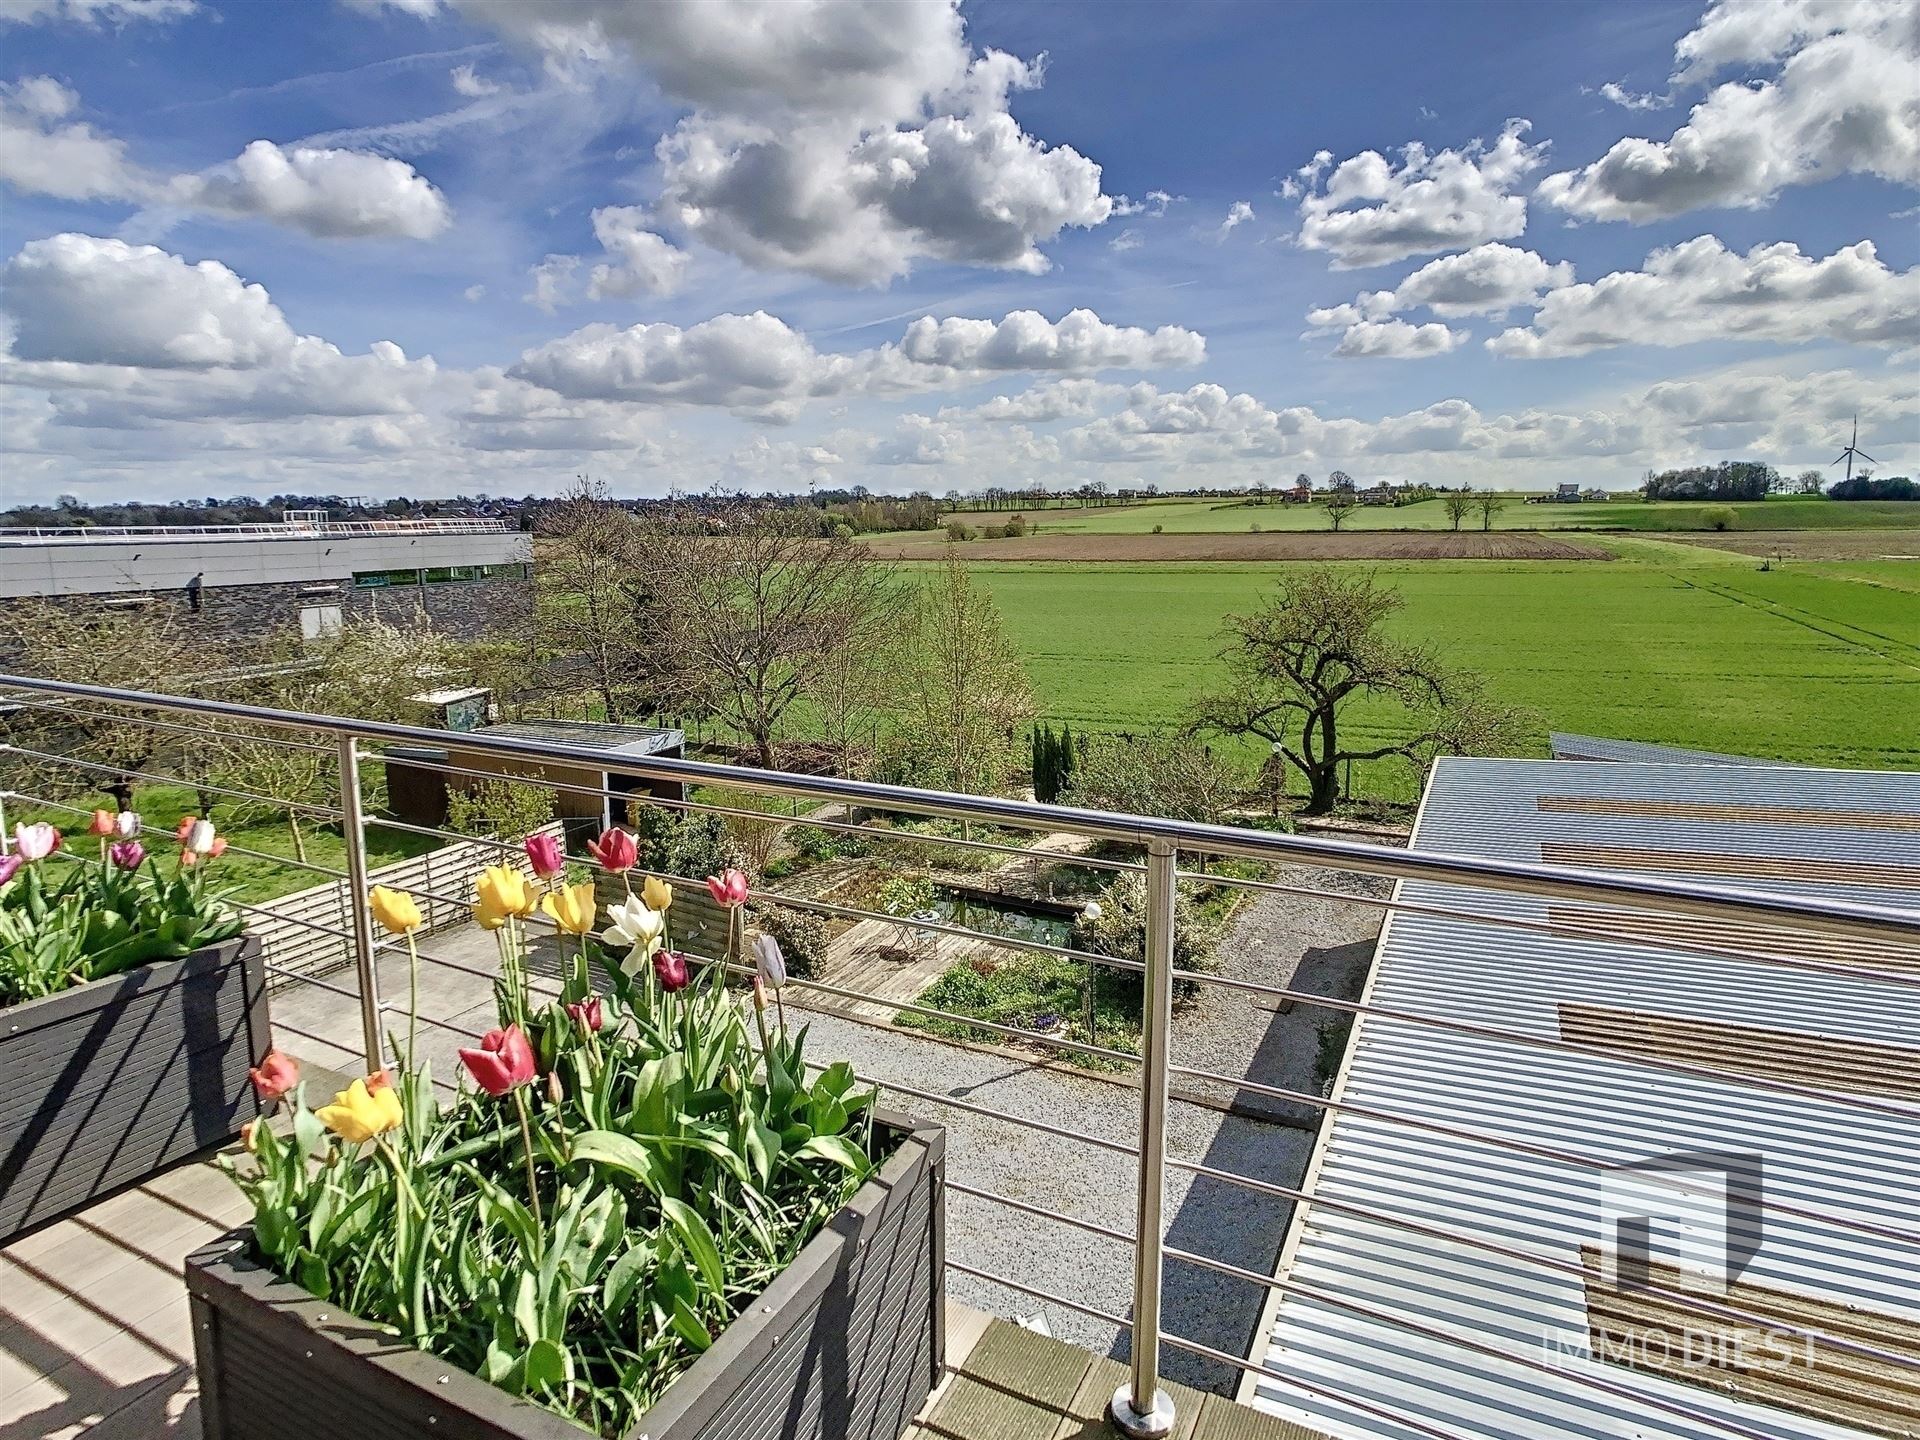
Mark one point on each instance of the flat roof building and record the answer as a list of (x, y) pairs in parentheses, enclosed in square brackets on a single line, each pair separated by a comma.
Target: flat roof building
[(1565, 1127)]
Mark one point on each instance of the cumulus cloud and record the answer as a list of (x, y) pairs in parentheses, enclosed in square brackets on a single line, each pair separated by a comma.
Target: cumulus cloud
[(1701, 290), (972, 189), (640, 262), (87, 301), (551, 282), (1396, 340), (1369, 211), (1049, 400), (1489, 279), (1628, 100), (331, 194), (1238, 214), (758, 365), (44, 152), (1845, 100)]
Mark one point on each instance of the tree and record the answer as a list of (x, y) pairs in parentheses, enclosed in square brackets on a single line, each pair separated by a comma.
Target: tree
[(743, 618), (585, 600), (1459, 504), (1810, 482), (1319, 641), (1489, 504), (964, 690), (1168, 773), (1341, 503)]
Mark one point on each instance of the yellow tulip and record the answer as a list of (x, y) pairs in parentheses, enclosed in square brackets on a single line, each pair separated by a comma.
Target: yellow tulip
[(501, 892), (571, 907), (358, 1113), (656, 893), (394, 909)]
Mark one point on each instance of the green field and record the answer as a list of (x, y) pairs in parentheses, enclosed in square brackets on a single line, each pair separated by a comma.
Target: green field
[(1223, 514), (1669, 643)]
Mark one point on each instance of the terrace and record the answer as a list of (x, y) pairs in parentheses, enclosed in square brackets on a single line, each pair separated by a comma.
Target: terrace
[(1142, 1210)]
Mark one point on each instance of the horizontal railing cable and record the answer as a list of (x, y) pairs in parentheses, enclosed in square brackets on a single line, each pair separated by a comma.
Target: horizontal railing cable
[(147, 722), (325, 812)]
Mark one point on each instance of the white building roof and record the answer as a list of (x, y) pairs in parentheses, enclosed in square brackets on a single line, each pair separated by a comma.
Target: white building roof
[(1844, 1165)]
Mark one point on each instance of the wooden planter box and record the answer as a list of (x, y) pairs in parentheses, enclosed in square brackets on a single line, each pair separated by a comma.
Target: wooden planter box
[(845, 1344), (106, 1083)]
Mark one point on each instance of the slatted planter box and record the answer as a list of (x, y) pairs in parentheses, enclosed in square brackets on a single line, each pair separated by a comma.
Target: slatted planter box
[(845, 1344), (107, 1083)]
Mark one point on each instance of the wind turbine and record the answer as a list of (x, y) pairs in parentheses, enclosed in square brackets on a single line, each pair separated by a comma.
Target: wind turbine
[(1853, 449)]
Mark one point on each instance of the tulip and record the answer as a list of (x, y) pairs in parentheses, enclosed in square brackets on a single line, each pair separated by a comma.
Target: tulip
[(571, 907), (587, 1013), (362, 1112), (768, 962), (275, 1075), (127, 825), (635, 927), (670, 969), (8, 865), (501, 892), (556, 1089), (101, 824), (394, 909), (127, 854), (246, 1136), (657, 893), (545, 855), (35, 842), (185, 827), (198, 841), (614, 851), (379, 1080), (504, 1060), (728, 888), (213, 852)]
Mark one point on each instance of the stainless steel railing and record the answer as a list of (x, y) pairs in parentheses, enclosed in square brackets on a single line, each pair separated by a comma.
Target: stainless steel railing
[(1141, 1407)]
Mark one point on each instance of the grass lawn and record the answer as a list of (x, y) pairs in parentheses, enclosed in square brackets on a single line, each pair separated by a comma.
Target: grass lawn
[(1221, 514), (254, 877), (1813, 662)]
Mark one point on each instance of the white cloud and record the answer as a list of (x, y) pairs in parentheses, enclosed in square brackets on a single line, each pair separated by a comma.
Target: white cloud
[(1396, 340), (552, 282), (1489, 279), (1049, 400), (42, 152), (475, 87), (1026, 340), (1700, 290), (1154, 206), (641, 262), (87, 301), (332, 194), (93, 12), (1238, 213), (1629, 100), (972, 189), (1126, 240), (1846, 100), (473, 292), (1369, 211)]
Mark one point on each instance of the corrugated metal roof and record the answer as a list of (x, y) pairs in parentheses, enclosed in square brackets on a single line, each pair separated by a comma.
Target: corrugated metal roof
[(1842, 1157), (1598, 747), (588, 735)]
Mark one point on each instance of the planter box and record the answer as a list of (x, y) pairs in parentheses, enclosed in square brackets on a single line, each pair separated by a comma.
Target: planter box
[(845, 1344), (106, 1083)]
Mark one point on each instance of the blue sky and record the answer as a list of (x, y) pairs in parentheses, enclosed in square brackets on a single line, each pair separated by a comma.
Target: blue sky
[(896, 244)]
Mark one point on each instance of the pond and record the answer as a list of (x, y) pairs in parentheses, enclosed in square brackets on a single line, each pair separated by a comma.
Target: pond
[(949, 908)]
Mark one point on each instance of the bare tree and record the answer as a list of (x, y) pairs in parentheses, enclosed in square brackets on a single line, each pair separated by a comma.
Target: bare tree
[(1340, 504), (1459, 504), (852, 688), (1488, 503), (964, 690), (585, 604), (747, 614), (1321, 640)]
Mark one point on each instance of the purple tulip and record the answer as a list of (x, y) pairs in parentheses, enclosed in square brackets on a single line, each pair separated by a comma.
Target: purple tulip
[(9, 864), (127, 854)]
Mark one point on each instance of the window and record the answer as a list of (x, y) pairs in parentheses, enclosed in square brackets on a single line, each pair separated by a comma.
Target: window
[(319, 622), (374, 579), (519, 571)]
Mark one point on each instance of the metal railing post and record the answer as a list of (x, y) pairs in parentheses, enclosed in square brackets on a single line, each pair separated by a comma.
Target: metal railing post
[(1141, 1410), (353, 831)]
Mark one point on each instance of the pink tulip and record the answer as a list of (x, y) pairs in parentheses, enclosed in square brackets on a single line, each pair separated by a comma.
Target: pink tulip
[(670, 969), (101, 824), (275, 1075), (587, 1013), (504, 1060), (729, 887), (35, 842), (614, 851), (127, 854), (545, 855)]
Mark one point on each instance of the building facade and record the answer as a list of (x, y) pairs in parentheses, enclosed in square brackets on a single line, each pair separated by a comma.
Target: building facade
[(299, 579)]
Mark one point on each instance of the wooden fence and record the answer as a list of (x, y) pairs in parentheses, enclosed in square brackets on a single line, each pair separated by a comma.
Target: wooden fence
[(310, 932)]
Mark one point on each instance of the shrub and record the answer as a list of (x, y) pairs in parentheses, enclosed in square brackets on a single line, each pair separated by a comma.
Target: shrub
[(904, 894), (1158, 529), (498, 808), (681, 842), (1159, 772), (1719, 517), (1120, 928), (958, 530), (801, 935)]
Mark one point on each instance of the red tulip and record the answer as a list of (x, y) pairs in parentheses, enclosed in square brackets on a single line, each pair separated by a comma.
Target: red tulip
[(275, 1075), (729, 887), (587, 1013), (615, 851), (504, 1060), (670, 968), (102, 822), (545, 855)]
